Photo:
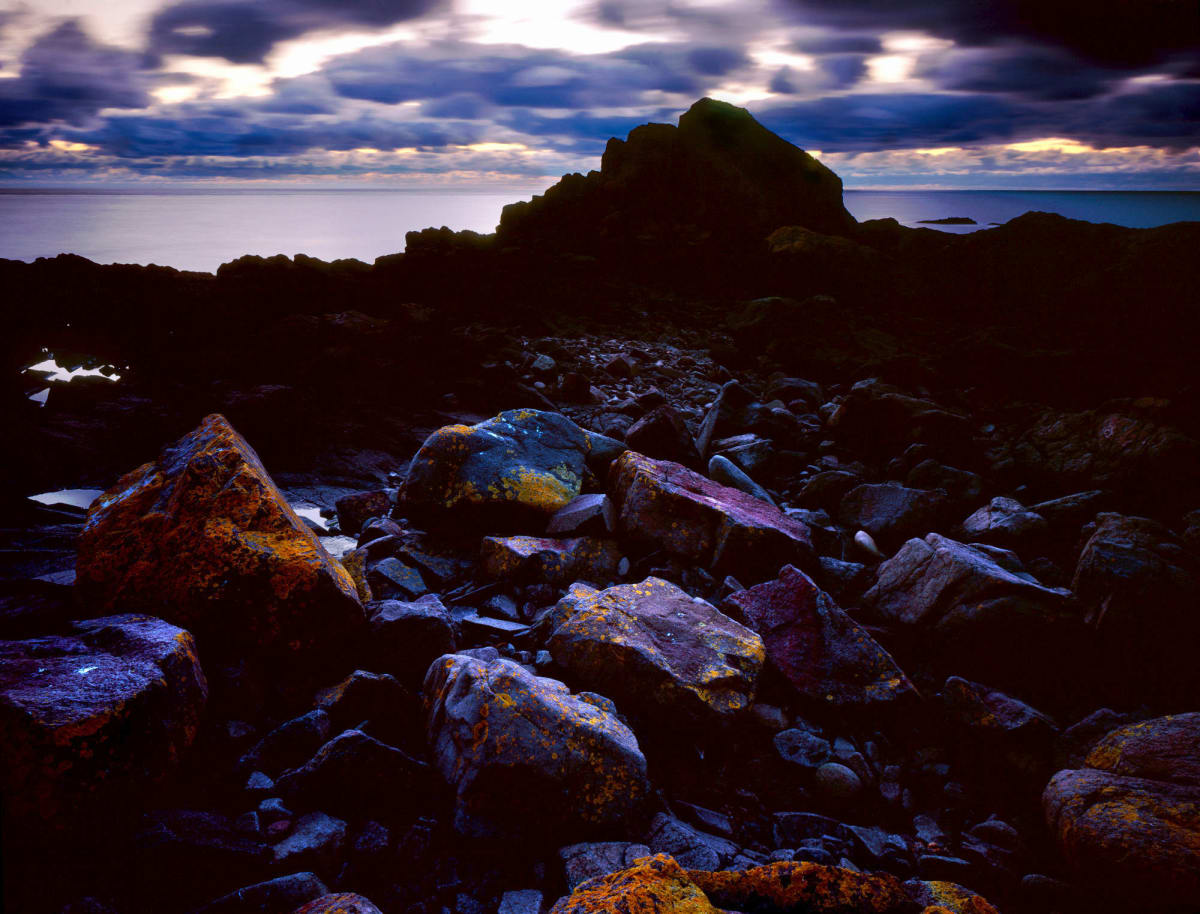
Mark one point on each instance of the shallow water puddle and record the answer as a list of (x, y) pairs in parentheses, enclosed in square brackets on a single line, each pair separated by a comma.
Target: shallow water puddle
[(75, 498)]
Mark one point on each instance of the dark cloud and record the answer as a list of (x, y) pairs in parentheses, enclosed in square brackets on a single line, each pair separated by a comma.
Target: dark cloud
[(251, 129), (853, 123), (839, 44), (1035, 72), (580, 132), (716, 61), (1166, 115), (514, 77), (243, 31), (1121, 33), (843, 70), (65, 76)]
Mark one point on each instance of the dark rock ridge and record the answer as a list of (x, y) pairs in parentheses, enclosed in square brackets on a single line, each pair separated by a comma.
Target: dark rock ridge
[(720, 177)]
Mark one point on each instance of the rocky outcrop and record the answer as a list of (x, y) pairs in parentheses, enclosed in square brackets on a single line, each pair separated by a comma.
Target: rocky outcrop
[(1130, 821), (691, 516), (647, 191), (826, 655), (95, 715), (505, 739), (203, 538), (665, 657)]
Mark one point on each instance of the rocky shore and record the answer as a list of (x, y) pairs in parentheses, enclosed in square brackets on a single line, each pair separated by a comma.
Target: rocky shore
[(683, 547)]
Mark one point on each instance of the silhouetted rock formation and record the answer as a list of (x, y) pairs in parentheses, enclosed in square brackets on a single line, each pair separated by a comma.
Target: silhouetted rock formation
[(720, 176)]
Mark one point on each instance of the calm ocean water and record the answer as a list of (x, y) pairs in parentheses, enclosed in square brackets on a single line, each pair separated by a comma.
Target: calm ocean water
[(199, 230)]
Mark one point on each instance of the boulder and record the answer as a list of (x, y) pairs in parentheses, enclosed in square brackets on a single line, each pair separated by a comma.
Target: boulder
[(892, 513), (1129, 823), (879, 419), (1000, 729), (1005, 522), (553, 561), (408, 636), (657, 884), (92, 716), (693, 517), (521, 464), (662, 655), (590, 859), (506, 740), (354, 510), (977, 617), (1140, 591), (282, 893), (203, 538), (825, 654), (728, 473), (662, 433)]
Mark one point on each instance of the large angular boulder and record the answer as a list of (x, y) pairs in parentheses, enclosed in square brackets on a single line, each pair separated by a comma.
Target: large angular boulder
[(976, 616), (523, 463), (691, 516), (94, 714), (662, 655), (507, 741), (1129, 822), (1140, 590), (879, 419), (825, 654), (202, 538)]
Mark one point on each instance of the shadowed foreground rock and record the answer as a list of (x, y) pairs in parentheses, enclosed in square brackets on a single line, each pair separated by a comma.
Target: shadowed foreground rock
[(203, 538), (94, 715), (1130, 821), (509, 742)]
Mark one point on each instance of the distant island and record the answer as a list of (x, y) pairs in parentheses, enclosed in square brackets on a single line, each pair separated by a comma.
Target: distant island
[(949, 220), (684, 545)]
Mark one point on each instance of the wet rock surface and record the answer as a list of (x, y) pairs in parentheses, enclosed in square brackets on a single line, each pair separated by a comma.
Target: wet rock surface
[(662, 568)]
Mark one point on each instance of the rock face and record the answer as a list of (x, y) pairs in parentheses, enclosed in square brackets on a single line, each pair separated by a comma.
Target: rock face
[(204, 539), (521, 459), (94, 714), (647, 189), (506, 740), (824, 653), (662, 655), (694, 517), (977, 614), (1130, 821)]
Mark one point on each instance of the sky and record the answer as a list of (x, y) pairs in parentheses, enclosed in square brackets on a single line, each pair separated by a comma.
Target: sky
[(495, 94)]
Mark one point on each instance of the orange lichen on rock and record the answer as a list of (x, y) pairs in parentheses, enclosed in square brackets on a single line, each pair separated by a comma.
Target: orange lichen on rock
[(809, 887), (952, 898), (203, 538), (653, 885), (339, 903)]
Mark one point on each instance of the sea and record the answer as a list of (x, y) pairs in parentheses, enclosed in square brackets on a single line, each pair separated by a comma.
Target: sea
[(199, 229)]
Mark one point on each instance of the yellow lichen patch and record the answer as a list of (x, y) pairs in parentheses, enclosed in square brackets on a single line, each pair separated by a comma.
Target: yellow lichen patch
[(952, 898)]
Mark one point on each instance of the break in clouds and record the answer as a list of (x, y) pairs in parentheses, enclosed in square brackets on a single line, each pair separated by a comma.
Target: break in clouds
[(1018, 92)]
